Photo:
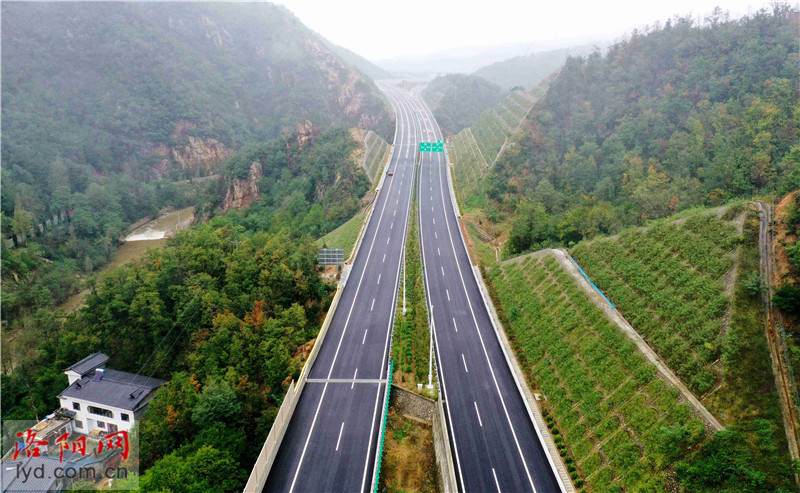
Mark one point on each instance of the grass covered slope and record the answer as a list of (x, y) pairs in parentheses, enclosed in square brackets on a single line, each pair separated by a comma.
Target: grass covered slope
[(374, 154), (615, 420), (669, 281), (691, 288), (344, 236)]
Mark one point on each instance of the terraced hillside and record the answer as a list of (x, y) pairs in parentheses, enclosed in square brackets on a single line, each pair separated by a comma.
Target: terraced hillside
[(475, 149), (605, 403), (669, 281), (691, 287), (374, 154)]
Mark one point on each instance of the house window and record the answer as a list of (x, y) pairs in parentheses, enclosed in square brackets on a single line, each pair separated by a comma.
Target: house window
[(101, 425), (125, 417), (79, 424), (76, 406), (101, 412)]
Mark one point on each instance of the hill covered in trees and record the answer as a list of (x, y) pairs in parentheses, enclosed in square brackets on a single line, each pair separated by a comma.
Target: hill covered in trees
[(529, 70), (457, 100), (675, 117), (136, 91)]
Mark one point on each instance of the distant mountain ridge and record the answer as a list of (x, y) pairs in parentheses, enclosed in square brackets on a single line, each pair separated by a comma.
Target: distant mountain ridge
[(528, 70)]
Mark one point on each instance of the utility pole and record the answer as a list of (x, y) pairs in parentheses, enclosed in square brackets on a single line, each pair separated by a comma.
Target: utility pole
[(404, 286), (430, 356)]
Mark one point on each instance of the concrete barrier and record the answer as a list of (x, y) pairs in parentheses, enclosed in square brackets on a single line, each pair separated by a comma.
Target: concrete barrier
[(258, 476), (444, 454)]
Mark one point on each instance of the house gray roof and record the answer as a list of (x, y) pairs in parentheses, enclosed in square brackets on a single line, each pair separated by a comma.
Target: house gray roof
[(88, 363), (115, 389), (16, 482)]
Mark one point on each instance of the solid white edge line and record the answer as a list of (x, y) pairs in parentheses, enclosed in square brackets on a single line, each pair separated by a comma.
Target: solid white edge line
[(341, 338), (439, 369), (389, 330), (480, 336)]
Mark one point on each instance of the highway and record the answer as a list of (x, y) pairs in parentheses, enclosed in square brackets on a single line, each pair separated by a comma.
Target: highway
[(330, 443), (495, 444)]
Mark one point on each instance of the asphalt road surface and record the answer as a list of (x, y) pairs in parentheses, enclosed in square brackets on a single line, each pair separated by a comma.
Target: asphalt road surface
[(330, 443), (495, 444)]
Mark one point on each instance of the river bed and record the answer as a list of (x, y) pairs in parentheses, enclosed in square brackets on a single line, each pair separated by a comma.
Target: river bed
[(153, 234)]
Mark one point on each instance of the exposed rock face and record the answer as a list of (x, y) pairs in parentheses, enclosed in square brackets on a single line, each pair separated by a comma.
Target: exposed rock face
[(242, 193), (200, 153)]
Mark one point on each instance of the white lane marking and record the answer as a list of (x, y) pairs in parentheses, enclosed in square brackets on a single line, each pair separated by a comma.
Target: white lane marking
[(436, 235), (379, 278), (496, 481), (448, 294), (341, 429), (480, 337), (365, 336), (336, 355), (431, 198), (387, 239), (395, 212), (379, 391), (442, 267), (356, 374), (391, 226), (478, 413), (434, 220), (373, 304), (462, 359), (431, 208), (438, 251), (454, 324), (384, 258), (396, 201)]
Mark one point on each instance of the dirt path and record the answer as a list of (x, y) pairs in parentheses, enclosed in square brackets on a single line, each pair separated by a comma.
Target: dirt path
[(563, 258), (777, 348)]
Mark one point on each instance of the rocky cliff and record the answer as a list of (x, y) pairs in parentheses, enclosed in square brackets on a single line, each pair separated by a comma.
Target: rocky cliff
[(243, 192)]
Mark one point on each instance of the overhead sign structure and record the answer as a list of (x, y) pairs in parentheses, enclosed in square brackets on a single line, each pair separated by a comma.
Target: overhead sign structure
[(437, 146)]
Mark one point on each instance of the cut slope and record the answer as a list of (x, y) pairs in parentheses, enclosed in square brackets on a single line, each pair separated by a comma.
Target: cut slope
[(475, 149), (668, 281), (609, 405)]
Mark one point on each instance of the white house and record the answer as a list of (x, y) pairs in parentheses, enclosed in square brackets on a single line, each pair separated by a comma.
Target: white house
[(105, 400)]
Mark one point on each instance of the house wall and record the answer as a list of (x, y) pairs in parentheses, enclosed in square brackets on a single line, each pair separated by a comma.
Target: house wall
[(89, 421)]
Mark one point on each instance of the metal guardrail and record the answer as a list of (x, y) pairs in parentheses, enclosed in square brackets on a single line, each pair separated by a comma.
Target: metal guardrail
[(376, 472)]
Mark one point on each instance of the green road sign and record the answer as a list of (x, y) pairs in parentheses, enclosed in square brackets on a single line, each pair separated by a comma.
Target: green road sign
[(431, 146)]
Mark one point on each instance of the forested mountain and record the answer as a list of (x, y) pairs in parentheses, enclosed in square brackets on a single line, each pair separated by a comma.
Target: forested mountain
[(135, 91), (529, 70), (222, 311), (678, 116), (457, 100)]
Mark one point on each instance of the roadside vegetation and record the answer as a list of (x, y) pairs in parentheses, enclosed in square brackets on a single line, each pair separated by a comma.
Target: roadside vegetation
[(409, 460), (345, 236), (411, 335), (787, 296), (619, 140)]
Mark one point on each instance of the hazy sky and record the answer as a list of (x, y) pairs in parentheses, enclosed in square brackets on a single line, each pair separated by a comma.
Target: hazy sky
[(390, 29)]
